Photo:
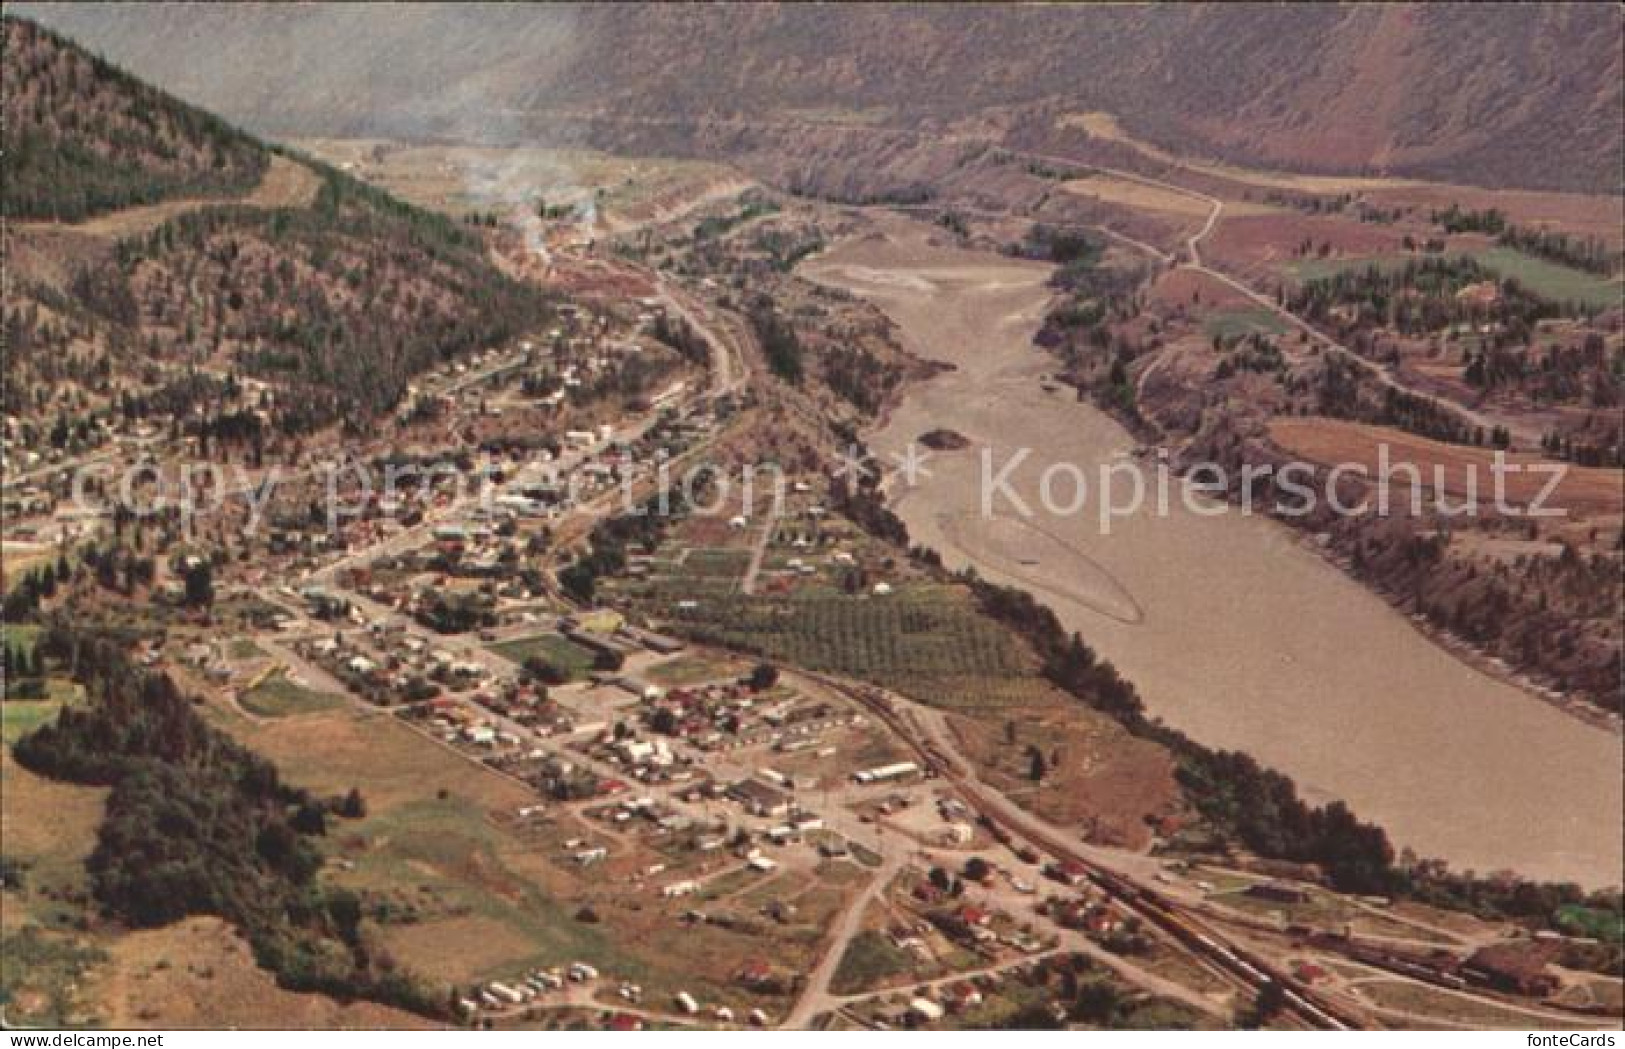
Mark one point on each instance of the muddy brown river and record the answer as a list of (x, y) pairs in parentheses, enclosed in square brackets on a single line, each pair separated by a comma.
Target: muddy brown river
[(1230, 627)]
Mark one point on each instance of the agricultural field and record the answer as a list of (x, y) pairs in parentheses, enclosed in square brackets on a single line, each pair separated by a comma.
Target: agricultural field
[(1139, 195), (1328, 441), (1261, 244), (923, 629), (1303, 270), (1552, 281)]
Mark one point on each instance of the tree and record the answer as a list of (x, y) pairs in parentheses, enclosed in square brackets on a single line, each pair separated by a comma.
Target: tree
[(664, 721), (1097, 1002), (544, 671), (764, 677), (199, 576), (1270, 1001), (354, 806), (1036, 767), (310, 819)]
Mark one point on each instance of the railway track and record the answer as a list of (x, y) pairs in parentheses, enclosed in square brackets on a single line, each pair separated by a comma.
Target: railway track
[(1249, 970)]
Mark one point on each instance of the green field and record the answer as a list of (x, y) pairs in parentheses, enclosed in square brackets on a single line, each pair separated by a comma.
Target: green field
[(1551, 281), (244, 648), (870, 959), (18, 717), (20, 635), (444, 856), (277, 697), (1304, 270), (687, 671), (1228, 324), (1546, 279), (46, 970), (556, 649), (970, 693), (716, 561)]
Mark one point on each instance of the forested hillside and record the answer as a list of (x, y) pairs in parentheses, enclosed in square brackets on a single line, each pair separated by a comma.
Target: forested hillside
[(337, 296), (345, 300), (83, 137)]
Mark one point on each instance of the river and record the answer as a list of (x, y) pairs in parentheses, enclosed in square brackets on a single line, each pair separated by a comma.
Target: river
[(1232, 630)]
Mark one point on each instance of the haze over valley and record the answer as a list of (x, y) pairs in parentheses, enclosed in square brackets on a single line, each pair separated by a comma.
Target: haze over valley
[(974, 517)]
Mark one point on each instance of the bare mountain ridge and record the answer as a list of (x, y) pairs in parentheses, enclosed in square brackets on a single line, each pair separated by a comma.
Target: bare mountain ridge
[(1491, 94)]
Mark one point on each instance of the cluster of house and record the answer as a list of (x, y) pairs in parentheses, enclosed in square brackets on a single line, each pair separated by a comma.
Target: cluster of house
[(392, 665), (580, 346), (974, 927), (472, 727), (925, 1006), (663, 818), (30, 446), (733, 715)]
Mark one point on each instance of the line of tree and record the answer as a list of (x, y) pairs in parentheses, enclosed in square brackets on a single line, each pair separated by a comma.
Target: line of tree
[(780, 344), (1591, 254), (1423, 297)]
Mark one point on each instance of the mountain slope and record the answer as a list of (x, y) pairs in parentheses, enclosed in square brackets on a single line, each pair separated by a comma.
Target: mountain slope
[(1524, 95), (336, 301), (83, 138)]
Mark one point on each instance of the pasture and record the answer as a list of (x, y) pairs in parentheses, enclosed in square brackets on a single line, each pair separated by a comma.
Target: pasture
[(277, 696), (554, 649)]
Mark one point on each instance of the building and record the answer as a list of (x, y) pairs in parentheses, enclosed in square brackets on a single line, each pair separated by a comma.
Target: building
[(1278, 892), (925, 1010), (887, 773), (1512, 968), (760, 799)]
